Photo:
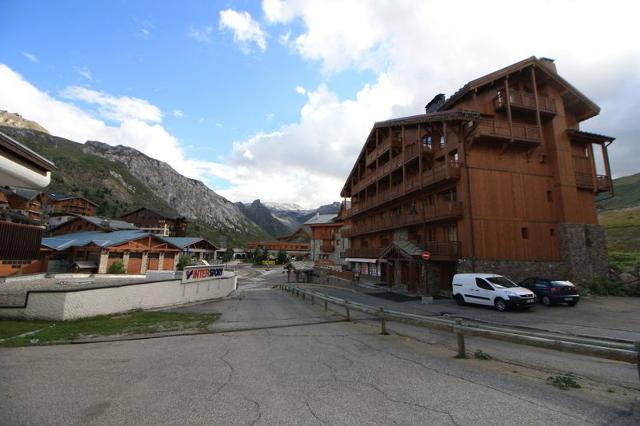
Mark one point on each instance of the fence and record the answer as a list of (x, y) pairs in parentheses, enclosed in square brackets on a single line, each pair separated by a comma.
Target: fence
[(601, 348)]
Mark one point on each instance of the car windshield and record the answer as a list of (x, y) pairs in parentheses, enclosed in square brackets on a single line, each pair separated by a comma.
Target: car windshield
[(502, 282), (562, 283)]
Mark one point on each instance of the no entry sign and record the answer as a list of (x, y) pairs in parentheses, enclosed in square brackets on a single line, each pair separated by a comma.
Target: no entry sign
[(425, 255)]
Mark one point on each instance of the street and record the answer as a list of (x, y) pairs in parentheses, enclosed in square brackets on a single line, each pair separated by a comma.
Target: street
[(273, 359)]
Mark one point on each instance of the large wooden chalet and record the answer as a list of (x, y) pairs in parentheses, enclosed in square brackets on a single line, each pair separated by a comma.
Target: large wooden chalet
[(496, 178)]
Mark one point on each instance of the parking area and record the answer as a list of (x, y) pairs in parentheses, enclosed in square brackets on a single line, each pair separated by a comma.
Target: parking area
[(611, 317)]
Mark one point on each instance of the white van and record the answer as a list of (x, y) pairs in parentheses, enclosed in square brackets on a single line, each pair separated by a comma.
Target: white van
[(491, 289)]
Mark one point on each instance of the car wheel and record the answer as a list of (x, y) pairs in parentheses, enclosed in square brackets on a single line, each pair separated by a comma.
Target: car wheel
[(460, 300), (546, 301), (500, 304), (572, 303)]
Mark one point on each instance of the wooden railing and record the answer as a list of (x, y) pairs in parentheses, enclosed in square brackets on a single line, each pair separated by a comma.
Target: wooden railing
[(19, 242), (520, 99), (443, 250), (501, 129), (446, 171), (435, 212)]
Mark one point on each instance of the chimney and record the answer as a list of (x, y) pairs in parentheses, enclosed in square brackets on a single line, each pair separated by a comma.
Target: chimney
[(549, 64)]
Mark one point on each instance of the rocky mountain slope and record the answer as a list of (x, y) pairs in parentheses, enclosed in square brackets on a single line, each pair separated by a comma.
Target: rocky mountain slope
[(262, 216), (293, 216), (10, 119), (120, 179)]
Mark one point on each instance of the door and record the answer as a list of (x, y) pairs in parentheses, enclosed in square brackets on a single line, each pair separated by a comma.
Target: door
[(484, 292)]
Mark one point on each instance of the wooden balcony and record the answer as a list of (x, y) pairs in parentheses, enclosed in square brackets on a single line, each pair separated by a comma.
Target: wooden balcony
[(377, 152), (364, 252), (443, 250), (433, 213), (586, 181), (19, 242), (523, 134), (327, 247), (441, 173), (525, 101)]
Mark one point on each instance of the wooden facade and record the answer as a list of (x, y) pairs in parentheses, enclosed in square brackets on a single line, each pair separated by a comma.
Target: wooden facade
[(489, 174), (55, 203), (148, 218)]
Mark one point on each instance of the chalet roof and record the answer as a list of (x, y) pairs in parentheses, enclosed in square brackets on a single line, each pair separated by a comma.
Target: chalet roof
[(518, 66), (320, 219), (59, 196), (25, 194), (100, 239), (300, 266), (18, 217), (22, 151), (161, 213), (407, 248), (104, 224), (587, 137), (183, 242)]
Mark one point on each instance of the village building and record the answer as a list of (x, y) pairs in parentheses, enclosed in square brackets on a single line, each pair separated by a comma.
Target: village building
[(90, 223), (25, 173), (293, 249), (56, 204), (198, 248), (497, 178), (170, 224), (137, 250), (328, 246)]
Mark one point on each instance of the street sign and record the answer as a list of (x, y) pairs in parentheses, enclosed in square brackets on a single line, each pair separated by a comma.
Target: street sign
[(425, 255)]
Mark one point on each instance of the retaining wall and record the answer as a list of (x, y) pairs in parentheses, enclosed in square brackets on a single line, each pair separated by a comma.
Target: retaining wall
[(58, 305)]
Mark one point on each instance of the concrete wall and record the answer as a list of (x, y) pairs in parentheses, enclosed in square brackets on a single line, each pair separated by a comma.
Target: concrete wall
[(78, 303)]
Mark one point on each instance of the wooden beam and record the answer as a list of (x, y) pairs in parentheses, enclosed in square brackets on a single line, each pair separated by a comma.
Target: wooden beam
[(607, 168), (535, 95), (508, 95), (592, 164)]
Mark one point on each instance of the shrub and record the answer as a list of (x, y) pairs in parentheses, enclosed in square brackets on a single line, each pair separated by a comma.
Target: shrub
[(605, 287), (184, 260), (564, 382), (116, 268), (481, 355), (282, 257)]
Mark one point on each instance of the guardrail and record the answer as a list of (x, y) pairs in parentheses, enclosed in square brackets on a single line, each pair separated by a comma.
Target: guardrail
[(589, 346)]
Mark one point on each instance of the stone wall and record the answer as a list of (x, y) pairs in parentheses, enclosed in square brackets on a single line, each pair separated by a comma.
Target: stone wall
[(583, 248), (516, 270)]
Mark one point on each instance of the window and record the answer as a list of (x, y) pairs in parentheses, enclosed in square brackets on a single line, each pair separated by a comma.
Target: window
[(427, 142), (429, 200), (450, 195), (525, 233), (552, 232), (549, 196), (452, 233), (483, 284)]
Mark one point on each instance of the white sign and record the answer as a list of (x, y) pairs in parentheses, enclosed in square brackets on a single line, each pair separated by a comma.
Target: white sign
[(200, 273)]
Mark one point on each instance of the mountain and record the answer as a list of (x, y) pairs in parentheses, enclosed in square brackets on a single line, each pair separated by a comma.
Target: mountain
[(120, 179), (10, 119), (626, 192), (292, 218), (262, 216)]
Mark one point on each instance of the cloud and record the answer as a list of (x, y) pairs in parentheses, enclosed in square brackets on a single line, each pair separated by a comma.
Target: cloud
[(245, 29), (117, 108), (177, 113), (85, 72), (30, 56), (203, 35), (219, 125), (137, 123), (301, 90)]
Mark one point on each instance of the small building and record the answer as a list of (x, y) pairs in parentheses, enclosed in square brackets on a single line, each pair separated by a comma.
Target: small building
[(303, 271), (26, 173), (56, 203), (139, 251), (172, 224), (328, 247), (198, 248), (90, 223), (273, 247)]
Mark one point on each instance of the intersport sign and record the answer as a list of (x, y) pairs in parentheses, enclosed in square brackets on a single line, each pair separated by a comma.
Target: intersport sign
[(192, 274)]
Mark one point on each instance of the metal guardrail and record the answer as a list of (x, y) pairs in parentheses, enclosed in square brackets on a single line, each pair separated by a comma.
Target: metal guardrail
[(589, 346)]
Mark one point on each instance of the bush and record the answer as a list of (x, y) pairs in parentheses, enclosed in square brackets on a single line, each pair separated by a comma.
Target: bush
[(184, 260), (282, 257), (605, 287), (564, 382), (116, 268)]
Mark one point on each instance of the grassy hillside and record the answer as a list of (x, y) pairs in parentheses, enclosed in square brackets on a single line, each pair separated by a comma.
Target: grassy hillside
[(626, 193)]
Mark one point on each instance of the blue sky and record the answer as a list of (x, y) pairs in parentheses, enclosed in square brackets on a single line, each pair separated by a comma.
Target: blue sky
[(273, 99)]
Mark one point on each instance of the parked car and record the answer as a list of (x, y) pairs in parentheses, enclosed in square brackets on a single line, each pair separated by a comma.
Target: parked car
[(550, 291), (491, 289)]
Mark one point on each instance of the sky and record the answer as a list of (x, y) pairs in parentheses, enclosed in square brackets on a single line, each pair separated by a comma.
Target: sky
[(274, 99)]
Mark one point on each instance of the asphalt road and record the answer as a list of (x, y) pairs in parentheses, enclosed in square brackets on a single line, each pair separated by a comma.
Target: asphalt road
[(263, 367)]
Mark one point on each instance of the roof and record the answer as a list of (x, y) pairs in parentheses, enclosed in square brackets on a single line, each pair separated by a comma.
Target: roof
[(300, 266), (183, 242), (25, 194), (406, 247), (20, 150), (85, 264), (172, 216), (105, 224), (518, 66), (100, 239), (320, 219), (587, 137), (58, 196)]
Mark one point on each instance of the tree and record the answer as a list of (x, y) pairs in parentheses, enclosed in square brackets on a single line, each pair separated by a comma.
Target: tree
[(184, 260), (259, 255), (282, 257), (116, 268), (228, 255)]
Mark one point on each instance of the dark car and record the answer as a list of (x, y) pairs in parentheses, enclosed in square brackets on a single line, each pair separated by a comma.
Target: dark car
[(551, 291)]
